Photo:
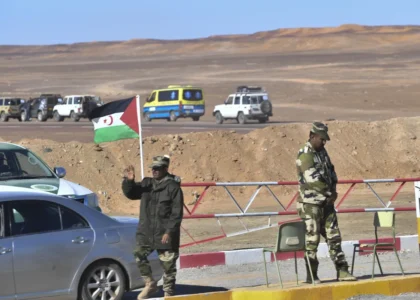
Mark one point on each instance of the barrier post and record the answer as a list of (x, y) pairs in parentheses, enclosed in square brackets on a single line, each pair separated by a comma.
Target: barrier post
[(417, 200)]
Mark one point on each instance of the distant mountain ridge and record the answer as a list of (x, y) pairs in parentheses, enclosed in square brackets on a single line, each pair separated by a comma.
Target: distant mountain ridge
[(290, 39)]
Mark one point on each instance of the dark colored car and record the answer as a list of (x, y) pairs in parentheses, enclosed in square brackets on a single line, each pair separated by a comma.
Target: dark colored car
[(40, 108)]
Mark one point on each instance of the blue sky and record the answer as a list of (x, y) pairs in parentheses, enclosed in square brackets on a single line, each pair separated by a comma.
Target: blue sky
[(28, 22)]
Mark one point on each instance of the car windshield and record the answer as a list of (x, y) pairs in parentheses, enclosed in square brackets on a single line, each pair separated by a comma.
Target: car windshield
[(22, 164)]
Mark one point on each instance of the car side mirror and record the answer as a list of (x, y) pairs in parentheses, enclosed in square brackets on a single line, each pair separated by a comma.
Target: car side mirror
[(60, 171)]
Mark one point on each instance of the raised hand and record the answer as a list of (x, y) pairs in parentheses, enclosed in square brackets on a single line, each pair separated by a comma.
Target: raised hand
[(129, 172)]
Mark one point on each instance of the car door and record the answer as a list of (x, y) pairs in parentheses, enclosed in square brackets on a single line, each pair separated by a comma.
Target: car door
[(237, 106), (62, 108), (35, 107), (7, 282), (50, 242), (228, 108), (69, 106), (152, 103), (77, 104)]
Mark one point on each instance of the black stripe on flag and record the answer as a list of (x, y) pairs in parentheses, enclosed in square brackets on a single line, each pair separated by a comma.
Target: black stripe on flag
[(117, 106)]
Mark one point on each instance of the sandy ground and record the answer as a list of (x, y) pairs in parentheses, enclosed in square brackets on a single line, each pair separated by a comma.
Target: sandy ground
[(365, 78), (350, 72), (358, 149)]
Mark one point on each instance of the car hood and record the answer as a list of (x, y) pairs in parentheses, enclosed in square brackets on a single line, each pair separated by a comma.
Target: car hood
[(56, 186)]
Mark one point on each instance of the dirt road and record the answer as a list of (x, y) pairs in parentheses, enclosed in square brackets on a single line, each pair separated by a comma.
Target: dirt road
[(83, 131)]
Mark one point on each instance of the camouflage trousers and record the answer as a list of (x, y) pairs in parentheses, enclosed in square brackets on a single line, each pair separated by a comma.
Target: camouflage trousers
[(322, 220), (167, 260)]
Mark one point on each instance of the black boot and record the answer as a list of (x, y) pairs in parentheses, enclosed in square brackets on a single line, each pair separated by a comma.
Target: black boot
[(314, 274)]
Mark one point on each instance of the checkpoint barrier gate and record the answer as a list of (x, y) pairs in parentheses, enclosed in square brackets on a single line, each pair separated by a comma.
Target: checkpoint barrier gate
[(286, 211)]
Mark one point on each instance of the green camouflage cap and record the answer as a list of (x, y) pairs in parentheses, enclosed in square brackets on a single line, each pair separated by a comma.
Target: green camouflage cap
[(160, 161), (321, 129)]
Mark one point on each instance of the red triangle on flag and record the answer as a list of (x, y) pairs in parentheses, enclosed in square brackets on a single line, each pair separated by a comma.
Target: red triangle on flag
[(129, 116)]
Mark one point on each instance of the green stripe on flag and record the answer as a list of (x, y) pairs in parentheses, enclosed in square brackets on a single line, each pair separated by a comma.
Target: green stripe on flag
[(113, 133)]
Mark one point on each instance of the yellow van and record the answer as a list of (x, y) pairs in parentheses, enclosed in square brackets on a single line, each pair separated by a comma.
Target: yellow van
[(175, 102)]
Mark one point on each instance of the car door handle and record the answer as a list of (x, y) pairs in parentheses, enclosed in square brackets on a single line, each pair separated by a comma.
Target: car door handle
[(79, 240), (4, 251)]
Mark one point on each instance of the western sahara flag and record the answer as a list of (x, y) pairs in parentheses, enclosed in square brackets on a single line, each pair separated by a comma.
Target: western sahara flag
[(115, 120)]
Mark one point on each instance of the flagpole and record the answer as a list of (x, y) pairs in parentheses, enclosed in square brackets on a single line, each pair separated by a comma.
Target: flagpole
[(140, 135)]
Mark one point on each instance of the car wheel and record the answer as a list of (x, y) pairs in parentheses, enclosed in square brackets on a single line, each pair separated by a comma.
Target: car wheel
[(74, 117), (147, 117), (172, 116), (3, 117), (40, 117), (57, 117), (219, 118), (23, 116), (196, 118), (103, 280), (241, 118), (262, 120)]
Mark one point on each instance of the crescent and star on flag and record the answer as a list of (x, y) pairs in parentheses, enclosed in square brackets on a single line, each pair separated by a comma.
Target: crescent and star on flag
[(108, 120)]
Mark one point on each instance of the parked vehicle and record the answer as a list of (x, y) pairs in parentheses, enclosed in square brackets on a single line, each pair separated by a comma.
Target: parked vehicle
[(21, 167), (9, 108), (40, 108), (55, 248), (247, 103), (74, 107), (175, 102), (97, 100)]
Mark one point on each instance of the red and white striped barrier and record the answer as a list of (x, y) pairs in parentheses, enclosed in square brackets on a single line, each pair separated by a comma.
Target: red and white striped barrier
[(244, 210), (408, 243), (345, 181), (292, 213)]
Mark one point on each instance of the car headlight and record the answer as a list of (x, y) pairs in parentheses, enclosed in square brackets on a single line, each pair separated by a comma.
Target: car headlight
[(92, 200)]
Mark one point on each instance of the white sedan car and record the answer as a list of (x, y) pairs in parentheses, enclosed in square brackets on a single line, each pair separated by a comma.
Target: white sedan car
[(51, 246)]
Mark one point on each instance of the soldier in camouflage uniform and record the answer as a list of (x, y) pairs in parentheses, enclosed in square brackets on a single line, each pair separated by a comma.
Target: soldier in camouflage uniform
[(317, 193), (161, 212)]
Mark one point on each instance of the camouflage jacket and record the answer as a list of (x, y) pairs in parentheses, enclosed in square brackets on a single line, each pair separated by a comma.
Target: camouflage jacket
[(316, 175), (161, 210)]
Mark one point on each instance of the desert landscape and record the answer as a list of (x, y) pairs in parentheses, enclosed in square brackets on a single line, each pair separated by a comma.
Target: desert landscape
[(363, 81)]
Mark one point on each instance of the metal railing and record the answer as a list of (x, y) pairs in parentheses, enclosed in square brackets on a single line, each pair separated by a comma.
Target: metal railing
[(285, 209)]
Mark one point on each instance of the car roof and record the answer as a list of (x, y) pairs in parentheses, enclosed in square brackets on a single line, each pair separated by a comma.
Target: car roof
[(248, 94), (22, 192), (175, 87), (10, 146)]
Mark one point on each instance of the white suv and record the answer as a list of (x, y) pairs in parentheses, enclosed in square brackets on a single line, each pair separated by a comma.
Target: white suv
[(248, 103), (72, 107)]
